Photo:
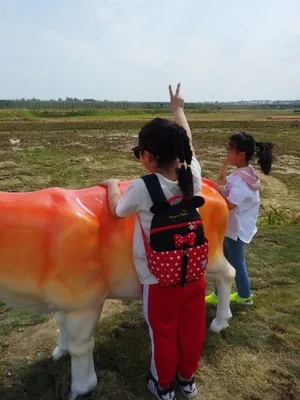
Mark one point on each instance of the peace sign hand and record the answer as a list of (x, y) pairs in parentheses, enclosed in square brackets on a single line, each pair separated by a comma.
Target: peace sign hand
[(177, 102), (177, 107)]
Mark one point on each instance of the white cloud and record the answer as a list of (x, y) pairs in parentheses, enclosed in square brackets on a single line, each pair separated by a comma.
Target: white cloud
[(132, 49)]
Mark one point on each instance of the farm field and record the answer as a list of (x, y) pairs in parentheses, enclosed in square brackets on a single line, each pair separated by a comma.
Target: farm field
[(257, 357), (205, 113)]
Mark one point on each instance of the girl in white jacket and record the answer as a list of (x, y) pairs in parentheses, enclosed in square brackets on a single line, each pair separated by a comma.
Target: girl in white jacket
[(241, 193)]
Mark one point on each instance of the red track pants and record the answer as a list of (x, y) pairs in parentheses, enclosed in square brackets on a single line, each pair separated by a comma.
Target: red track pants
[(177, 326)]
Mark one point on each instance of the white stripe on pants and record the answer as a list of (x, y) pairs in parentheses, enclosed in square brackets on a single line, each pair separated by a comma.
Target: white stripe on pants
[(145, 308)]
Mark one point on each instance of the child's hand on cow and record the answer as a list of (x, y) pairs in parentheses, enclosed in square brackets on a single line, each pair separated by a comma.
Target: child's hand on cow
[(110, 183), (113, 194)]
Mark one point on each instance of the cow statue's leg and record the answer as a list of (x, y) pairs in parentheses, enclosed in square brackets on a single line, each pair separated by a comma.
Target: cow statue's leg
[(62, 345), (76, 336), (224, 273)]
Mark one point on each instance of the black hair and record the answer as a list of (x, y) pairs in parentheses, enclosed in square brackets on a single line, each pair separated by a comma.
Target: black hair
[(167, 142), (244, 141)]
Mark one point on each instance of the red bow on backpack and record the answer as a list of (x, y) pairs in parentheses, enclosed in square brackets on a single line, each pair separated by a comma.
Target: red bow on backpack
[(188, 239)]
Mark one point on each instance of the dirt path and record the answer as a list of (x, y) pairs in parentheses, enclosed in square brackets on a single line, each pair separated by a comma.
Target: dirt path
[(38, 341), (274, 189)]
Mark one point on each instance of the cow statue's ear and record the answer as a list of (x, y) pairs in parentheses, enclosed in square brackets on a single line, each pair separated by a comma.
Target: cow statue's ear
[(159, 208), (195, 202)]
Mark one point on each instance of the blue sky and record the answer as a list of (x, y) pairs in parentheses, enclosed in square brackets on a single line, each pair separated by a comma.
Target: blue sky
[(132, 49)]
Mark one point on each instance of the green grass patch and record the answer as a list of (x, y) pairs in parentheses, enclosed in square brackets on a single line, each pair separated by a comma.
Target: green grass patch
[(278, 216), (11, 319)]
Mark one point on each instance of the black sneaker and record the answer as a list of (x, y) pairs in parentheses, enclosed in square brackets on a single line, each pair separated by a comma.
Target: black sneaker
[(167, 394), (188, 388)]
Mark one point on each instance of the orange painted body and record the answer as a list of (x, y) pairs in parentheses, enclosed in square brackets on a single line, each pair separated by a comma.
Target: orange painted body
[(62, 249)]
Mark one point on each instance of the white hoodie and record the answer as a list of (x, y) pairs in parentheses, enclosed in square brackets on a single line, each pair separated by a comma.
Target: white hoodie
[(242, 190)]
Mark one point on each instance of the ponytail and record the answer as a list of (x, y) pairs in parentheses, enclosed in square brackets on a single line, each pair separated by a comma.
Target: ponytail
[(264, 154), (244, 141), (185, 176)]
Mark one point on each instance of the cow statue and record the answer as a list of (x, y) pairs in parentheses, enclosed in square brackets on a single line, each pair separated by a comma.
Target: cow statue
[(61, 251)]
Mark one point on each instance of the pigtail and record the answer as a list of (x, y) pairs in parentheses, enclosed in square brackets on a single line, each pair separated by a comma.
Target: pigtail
[(264, 154), (188, 158), (184, 152)]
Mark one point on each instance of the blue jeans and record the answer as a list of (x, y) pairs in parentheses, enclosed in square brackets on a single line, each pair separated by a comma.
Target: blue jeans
[(234, 251)]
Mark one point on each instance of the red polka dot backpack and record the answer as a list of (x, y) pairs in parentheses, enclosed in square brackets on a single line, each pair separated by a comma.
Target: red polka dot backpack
[(178, 249)]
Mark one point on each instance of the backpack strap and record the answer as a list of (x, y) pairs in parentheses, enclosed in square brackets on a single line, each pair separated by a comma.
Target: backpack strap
[(155, 190)]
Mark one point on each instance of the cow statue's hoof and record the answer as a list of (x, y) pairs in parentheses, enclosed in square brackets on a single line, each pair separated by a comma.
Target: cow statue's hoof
[(81, 390), (58, 353), (217, 326), (73, 395)]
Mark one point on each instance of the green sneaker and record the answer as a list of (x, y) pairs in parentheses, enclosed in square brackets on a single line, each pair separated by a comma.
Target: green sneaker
[(235, 298), (212, 299)]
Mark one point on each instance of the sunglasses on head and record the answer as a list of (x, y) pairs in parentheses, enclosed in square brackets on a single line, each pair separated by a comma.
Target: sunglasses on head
[(136, 151)]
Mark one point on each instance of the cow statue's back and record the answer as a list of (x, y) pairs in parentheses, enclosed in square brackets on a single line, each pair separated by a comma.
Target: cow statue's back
[(62, 251)]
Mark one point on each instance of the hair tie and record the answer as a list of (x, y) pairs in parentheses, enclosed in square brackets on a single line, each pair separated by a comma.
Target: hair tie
[(188, 165)]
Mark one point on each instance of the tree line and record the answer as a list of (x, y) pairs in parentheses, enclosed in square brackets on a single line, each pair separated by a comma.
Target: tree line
[(92, 104)]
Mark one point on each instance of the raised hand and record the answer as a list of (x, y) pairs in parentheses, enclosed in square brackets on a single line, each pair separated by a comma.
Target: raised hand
[(177, 107), (177, 102)]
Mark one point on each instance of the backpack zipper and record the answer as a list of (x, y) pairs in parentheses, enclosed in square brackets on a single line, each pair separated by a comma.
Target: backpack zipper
[(182, 225)]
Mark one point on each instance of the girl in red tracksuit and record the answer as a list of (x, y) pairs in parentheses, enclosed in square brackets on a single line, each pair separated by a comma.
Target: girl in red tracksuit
[(175, 314)]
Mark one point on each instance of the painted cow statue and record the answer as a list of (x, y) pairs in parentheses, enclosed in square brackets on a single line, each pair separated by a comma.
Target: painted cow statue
[(61, 251)]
